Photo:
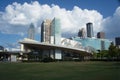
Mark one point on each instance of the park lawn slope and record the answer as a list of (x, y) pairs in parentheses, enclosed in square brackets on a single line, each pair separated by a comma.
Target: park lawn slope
[(60, 71)]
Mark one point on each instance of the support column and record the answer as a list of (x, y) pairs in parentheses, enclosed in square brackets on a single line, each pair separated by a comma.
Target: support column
[(22, 49)]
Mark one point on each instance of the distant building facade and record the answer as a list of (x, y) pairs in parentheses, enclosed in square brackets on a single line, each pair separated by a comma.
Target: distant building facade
[(81, 33), (46, 31), (93, 43), (90, 32), (1, 48), (101, 35), (117, 41), (31, 31)]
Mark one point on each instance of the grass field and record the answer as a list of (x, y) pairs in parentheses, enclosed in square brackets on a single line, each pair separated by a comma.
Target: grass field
[(60, 71)]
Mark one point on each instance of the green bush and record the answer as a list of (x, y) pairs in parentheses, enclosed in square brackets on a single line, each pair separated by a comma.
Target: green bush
[(47, 59)]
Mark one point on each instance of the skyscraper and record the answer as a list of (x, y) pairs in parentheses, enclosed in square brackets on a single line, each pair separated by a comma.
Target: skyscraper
[(56, 36), (81, 33), (101, 35), (117, 41), (90, 32), (31, 31), (51, 33), (45, 31), (55, 31)]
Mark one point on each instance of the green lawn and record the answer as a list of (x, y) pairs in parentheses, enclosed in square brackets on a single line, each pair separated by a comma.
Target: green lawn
[(60, 71)]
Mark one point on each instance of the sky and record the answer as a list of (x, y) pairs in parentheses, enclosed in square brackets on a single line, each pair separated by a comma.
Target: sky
[(16, 16)]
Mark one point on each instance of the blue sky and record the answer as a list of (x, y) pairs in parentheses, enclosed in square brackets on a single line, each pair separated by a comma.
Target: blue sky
[(104, 10), (105, 7)]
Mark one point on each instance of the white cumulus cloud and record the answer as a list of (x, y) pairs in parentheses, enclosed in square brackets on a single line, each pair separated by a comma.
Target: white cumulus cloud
[(17, 17), (112, 25)]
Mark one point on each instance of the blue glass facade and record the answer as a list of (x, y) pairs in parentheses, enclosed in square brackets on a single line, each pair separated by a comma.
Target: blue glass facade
[(97, 44), (56, 31), (56, 36)]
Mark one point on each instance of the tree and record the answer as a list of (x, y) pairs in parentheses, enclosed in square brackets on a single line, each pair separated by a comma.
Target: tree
[(112, 51), (118, 53), (104, 53), (94, 55)]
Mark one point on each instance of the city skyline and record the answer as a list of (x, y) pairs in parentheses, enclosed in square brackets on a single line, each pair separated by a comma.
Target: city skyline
[(16, 16)]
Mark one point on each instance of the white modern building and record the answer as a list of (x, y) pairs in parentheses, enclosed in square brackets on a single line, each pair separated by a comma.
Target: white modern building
[(53, 45)]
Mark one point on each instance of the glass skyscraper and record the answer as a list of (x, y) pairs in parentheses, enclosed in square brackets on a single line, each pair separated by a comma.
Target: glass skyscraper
[(31, 31), (51, 33), (90, 32), (56, 31), (56, 36)]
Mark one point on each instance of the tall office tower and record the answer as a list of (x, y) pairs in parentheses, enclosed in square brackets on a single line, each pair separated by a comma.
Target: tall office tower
[(81, 33), (101, 35), (90, 32), (117, 41), (31, 31), (55, 31), (56, 36), (45, 31)]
